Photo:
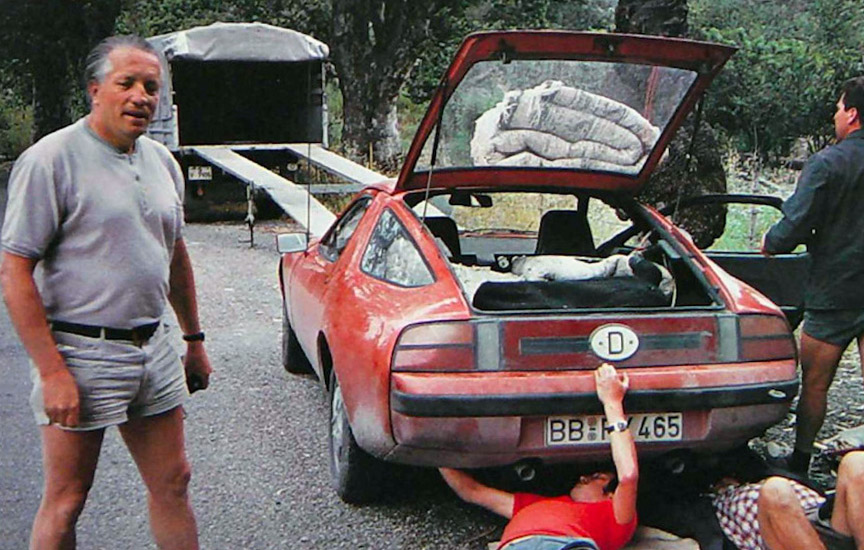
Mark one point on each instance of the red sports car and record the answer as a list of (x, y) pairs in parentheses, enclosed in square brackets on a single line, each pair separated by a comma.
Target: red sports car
[(455, 315)]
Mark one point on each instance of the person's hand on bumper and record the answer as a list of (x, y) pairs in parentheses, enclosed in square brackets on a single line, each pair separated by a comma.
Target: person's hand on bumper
[(611, 385)]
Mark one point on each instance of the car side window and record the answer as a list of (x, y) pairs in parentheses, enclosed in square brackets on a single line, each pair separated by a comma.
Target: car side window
[(393, 257), (744, 228), (337, 239)]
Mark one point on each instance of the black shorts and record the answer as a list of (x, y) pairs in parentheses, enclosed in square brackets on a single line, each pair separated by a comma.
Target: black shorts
[(835, 326)]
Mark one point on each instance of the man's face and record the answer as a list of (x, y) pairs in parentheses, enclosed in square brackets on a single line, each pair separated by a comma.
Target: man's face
[(123, 104), (844, 119)]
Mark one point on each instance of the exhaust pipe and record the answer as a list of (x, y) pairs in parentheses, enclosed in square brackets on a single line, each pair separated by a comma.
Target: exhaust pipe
[(525, 471)]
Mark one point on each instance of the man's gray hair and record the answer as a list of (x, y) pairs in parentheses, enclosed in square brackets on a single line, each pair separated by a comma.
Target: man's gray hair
[(98, 65)]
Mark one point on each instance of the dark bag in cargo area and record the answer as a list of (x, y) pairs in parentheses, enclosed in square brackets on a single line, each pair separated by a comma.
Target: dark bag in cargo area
[(588, 293)]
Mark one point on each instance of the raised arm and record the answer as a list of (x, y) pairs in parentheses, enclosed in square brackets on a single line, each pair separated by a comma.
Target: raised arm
[(59, 390), (611, 387), (471, 490)]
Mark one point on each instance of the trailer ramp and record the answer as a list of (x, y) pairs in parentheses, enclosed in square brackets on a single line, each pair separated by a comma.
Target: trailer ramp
[(329, 161), (291, 197)]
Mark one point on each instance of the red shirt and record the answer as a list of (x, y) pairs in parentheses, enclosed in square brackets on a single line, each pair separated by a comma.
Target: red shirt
[(564, 517)]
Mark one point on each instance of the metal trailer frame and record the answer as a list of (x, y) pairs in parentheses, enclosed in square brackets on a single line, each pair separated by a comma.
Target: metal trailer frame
[(255, 45)]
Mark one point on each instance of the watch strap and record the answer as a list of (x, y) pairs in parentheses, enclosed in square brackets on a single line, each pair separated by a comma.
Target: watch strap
[(620, 426)]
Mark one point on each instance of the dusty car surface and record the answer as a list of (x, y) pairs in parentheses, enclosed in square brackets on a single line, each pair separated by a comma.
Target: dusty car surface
[(455, 314)]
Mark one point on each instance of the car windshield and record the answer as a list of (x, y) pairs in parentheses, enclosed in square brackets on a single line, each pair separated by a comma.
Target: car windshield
[(586, 115)]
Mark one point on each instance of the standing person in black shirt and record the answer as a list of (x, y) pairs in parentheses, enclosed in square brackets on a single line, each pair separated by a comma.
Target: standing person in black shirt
[(827, 212)]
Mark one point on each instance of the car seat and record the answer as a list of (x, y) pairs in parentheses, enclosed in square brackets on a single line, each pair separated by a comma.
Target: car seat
[(565, 232), (445, 229)]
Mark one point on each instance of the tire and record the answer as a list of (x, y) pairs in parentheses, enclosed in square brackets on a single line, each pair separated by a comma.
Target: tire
[(357, 476), (294, 360)]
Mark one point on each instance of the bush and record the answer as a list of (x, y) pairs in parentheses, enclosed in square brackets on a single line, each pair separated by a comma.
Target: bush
[(16, 125), (783, 82)]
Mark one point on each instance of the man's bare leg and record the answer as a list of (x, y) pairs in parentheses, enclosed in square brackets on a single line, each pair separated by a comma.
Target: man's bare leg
[(848, 515), (818, 364), (157, 445), (781, 519), (69, 461)]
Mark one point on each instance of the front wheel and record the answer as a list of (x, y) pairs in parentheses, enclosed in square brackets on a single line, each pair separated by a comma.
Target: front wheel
[(357, 476)]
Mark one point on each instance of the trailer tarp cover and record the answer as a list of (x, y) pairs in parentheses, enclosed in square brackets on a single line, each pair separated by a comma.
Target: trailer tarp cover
[(239, 42)]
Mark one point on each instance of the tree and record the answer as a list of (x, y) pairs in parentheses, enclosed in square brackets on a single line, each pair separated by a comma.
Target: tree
[(783, 81), (694, 166), (374, 46), (658, 17), (50, 39)]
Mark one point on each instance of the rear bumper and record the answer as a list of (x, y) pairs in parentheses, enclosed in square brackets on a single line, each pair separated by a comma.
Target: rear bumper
[(533, 404), (495, 419), (468, 442)]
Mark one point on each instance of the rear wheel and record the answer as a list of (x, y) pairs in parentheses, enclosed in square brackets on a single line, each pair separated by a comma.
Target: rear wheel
[(357, 476), (294, 360)]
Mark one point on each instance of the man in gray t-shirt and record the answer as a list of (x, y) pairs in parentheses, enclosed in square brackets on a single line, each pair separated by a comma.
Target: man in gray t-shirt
[(98, 207)]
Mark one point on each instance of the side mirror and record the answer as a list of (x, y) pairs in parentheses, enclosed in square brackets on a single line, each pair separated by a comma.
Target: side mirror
[(291, 242)]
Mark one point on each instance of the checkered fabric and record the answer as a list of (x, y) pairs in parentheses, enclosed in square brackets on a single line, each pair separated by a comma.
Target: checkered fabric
[(736, 509)]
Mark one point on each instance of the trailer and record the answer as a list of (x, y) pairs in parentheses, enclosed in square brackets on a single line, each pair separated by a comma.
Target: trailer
[(245, 103)]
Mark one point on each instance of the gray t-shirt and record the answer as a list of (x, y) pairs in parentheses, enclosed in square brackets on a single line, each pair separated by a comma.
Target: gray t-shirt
[(103, 224)]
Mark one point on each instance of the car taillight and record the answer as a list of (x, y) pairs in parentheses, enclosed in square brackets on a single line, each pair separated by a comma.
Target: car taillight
[(764, 338), (445, 346)]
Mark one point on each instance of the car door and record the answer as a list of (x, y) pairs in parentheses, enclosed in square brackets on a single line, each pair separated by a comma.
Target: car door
[(310, 284), (781, 277)]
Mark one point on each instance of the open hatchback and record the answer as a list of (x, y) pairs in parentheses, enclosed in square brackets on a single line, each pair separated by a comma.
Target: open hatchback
[(455, 315)]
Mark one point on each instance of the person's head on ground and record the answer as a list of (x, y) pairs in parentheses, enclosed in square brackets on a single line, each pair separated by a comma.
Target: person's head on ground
[(594, 486), (847, 117), (123, 76)]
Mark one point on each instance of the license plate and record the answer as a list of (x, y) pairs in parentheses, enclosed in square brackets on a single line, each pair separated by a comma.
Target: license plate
[(200, 173), (589, 429)]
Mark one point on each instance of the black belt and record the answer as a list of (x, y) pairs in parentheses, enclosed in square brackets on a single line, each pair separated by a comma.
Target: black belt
[(138, 334)]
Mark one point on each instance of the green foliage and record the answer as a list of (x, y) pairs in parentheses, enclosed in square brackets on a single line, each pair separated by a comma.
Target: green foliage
[(784, 80), (152, 17), (16, 125)]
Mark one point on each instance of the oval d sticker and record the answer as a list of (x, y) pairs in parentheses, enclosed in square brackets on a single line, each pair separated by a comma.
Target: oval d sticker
[(614, 342)]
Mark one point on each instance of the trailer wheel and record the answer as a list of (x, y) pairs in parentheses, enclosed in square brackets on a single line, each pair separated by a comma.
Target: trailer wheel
[(294, 360)]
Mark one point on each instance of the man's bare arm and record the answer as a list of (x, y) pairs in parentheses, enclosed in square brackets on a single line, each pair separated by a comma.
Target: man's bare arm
[(471, 490), (182, 296), (611, 387), (27, 312)]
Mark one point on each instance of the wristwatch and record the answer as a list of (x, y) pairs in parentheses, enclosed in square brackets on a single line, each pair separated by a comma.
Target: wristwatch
[(196, 337), (620, 426)]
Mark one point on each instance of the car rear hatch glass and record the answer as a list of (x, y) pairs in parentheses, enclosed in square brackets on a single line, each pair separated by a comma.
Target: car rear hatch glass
[(578, 110)]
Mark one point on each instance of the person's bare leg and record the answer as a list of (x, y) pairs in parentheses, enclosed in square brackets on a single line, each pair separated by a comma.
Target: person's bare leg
[(157, 445), (781, 519), (848, 514), (818, 364), (861, 352), (69, 461)]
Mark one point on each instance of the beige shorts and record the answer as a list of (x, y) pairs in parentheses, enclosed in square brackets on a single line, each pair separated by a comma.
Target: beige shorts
[(118, 380)]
